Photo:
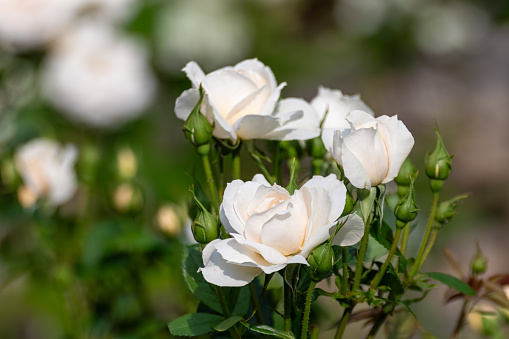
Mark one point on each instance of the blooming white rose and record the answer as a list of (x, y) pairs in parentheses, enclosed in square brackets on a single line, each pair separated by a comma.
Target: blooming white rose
[(47, 170), (371, 151), (336, 105), (97, 77), (271, 228), (241, 102), (31, 23)]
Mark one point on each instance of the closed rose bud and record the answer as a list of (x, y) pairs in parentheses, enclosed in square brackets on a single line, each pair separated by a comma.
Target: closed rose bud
[(205, 227), (438, 165), (320, 262), (406, 209), (406, 172), (198, 129), (447, 209)]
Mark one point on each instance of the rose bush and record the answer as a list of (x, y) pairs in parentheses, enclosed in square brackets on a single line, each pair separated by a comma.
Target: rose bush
[(47, 170), (372, 150), (271, 228), (240, 101)]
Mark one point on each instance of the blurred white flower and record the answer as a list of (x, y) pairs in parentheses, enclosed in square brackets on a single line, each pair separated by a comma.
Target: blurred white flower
[(211, 32), (97, 77), (47, 170), (271, 228), (110, 10), (241, 102), (371, 151), (449, 28), (26, 24), (336, 105)]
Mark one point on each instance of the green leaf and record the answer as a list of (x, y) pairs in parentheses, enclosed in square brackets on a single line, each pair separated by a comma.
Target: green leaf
[(227, 323), (264, 329), (452, 282), (194, 324)]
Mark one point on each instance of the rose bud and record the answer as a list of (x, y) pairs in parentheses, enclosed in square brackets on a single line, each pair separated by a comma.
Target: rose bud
[(447, 209), (406, 172), (406, 209), (479, 263), (320, 261), (438, 165), (198, 129), (205, 227)]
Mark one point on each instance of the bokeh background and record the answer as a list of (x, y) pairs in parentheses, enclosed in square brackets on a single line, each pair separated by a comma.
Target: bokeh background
[(104, 76)]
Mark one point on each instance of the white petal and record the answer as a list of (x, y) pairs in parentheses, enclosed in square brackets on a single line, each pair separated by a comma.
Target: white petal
[(319, 236), (255, 223), (365, 158), (399, 144), (219, 272), (259, 178), (335, 192), (194, 73), (286, 230), (235, 253), (351, 232), (257, 72), (255, 126), (186, 102), (361, 119), (304, 128), (268, 253), (231, 219)]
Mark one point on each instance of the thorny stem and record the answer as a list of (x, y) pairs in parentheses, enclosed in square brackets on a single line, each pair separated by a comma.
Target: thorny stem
[(418, 261), (307, 310), (344, 278)]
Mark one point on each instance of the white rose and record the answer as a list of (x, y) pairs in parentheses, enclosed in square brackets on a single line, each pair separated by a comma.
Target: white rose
[(97, 77), (336, 105), (371, 151), (241, 102), (31, 23), (271, 228), (48, 170)]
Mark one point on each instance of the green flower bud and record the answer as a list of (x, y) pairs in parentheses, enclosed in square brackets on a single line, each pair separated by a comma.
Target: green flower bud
[(320, 261), (438, 164), (406, 209), (406, 172), (447, 209), (349, 204), (198, 129), (205, 227), (479, 263)]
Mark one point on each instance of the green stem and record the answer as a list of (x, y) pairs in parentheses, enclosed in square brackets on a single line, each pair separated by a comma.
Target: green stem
[(276, 163), (404, 240), (418, 260), (210, 182), (344, 278), (236, 163), (378, 277), (376, 326), (430, 244), (288, 307), (343, 322), (360, 260), (226, 312), (307, 310)]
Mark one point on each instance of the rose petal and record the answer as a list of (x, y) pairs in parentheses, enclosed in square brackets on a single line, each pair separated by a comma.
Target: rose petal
[(351, 232), (399, 143), (232, 212), (286, 230), (268, 253), (256, 126), (221, 273), (186, 102), (194, 73)]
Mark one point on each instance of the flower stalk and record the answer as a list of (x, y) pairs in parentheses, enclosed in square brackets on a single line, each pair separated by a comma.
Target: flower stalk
[(307, 309), (378, 277)]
